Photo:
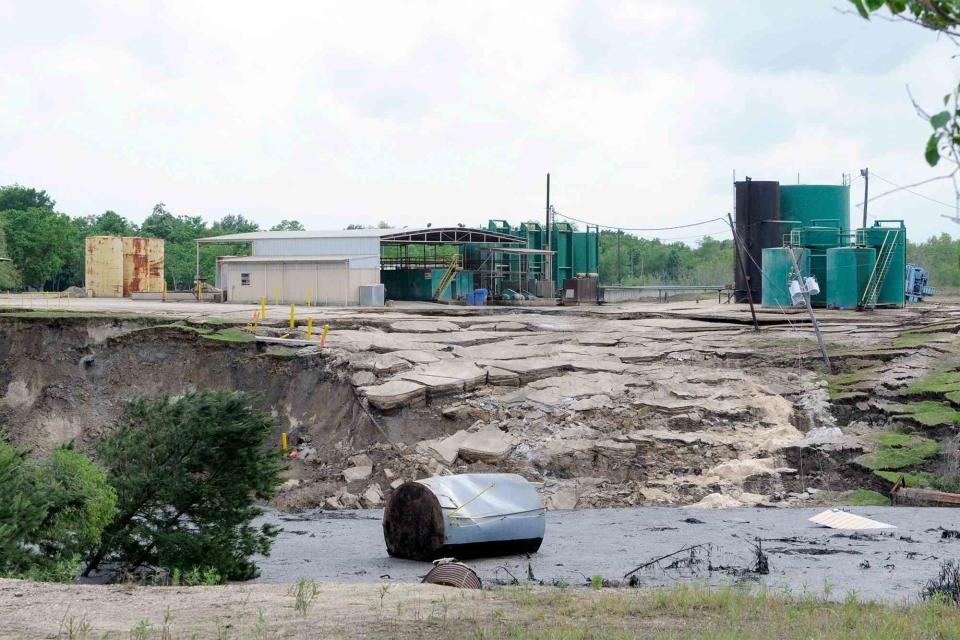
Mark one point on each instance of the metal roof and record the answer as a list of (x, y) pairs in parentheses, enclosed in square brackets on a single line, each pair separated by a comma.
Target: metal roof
[(448, 235), (296, 235), (246, 259), (438, 235)]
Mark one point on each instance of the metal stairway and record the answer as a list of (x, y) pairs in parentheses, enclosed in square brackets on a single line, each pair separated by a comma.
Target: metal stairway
[(879, 274), (448, 276)]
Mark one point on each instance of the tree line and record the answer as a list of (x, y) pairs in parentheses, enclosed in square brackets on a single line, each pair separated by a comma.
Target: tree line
[(652, 262), (46, 247)]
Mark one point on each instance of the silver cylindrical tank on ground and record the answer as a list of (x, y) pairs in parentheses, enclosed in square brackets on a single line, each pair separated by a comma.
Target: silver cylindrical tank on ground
[(467, 515)]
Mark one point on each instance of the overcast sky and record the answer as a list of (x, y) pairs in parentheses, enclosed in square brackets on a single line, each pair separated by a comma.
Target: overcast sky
[(447, 112)]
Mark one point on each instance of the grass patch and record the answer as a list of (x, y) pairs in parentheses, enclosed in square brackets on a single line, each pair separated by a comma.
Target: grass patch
[(929, 413), (898, 451), (920, 480), (942, 381), (231, 334), (914, 339), (867, 498), (704, 612)]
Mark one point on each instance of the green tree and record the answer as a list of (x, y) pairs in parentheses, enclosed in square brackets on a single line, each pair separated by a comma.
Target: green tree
[(232, 223), (942, 16), (19, 198), (41, 243), (188, 473), (81, 503), (22, 510), (9, 275), (288, 225), (52, 512), (108, 223)]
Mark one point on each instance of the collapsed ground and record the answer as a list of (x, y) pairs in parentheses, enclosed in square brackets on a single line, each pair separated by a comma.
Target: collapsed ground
[(603, 406)]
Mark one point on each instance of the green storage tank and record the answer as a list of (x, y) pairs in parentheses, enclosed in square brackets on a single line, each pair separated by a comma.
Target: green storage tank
[(848, 270), (777, 269), (817, 263), (891, 232), (816, 205)]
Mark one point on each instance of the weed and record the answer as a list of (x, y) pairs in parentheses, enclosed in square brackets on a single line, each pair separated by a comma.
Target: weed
[(384, 588), (141, 630), (304, 592), (73, 629), (945, 588), (596, 581), (563, 583)]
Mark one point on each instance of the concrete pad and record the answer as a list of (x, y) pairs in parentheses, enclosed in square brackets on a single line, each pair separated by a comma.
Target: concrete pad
[(487, 445), (528, 369), (393, 394), (423, 326), (416, 356), (435, 385), (362, 378)]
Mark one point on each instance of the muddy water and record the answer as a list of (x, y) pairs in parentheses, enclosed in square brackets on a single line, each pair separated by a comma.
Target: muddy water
[(890, 565)]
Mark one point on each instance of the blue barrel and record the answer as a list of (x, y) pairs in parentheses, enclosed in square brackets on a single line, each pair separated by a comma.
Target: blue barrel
[(480, 296), (471, 299)]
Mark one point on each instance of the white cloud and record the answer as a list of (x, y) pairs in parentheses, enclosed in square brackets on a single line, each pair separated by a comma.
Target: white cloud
[(452, 112)]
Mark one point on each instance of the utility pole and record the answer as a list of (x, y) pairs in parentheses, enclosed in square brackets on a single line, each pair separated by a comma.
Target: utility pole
[(866, 192), (619, 262), (738, 250), (813, 318), (548, 276)]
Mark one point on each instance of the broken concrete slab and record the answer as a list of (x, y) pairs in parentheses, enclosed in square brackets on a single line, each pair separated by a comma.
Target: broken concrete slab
[(489, 444), (423, 326), (362, 378), (393, 394), (715, 501), (353, 474), (373, 496), (416, 356), (446, 449)]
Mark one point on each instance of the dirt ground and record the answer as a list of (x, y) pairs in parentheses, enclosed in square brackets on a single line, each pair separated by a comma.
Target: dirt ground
[(618, 405), (257, 612)]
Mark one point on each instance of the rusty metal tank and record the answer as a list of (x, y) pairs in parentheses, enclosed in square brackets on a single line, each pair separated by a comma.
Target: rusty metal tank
[(142, 265), (103, 267)]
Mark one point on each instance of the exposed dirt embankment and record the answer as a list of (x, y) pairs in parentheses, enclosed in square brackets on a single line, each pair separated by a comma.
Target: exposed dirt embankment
[(66, 379)]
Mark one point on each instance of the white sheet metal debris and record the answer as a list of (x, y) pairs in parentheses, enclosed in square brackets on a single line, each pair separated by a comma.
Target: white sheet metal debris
[(839, 519), (465, 515)]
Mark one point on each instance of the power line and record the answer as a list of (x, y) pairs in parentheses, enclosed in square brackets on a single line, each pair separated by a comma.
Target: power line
[(607, 226), (908, 190)]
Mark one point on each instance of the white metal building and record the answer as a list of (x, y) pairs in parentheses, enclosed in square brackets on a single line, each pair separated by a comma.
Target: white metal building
[(322, 267)]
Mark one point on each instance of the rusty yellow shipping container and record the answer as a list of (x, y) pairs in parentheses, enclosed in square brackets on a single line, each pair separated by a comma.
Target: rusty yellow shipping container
[(142, 265), (103, 267)]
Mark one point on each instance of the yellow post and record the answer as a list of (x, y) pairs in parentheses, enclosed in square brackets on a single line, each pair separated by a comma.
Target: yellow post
[(276, 296), (283, 442), (293, 318), (263, 308), (323, 336), (308, 296), (310, 328), (164, 290), (68, 299)]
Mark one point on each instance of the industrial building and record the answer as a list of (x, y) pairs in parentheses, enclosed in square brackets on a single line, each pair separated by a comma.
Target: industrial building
[(446, 264), (116, 267), (781, 228)]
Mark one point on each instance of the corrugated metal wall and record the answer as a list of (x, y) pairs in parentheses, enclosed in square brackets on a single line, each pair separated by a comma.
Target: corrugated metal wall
[(103, 267), (288, 283), (362, 246), (142, 265)]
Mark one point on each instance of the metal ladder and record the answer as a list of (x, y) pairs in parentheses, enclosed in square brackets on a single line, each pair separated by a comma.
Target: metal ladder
[(447, 276), (880, 268)]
